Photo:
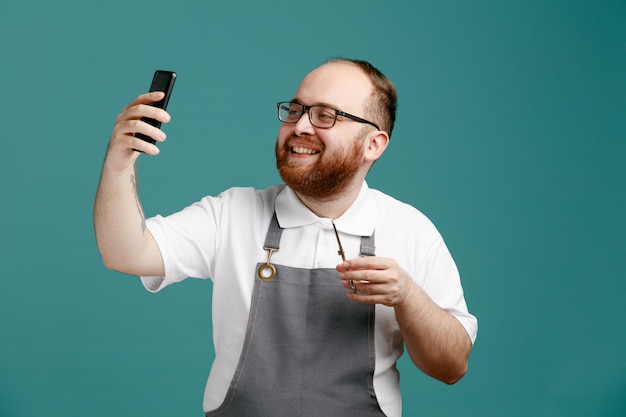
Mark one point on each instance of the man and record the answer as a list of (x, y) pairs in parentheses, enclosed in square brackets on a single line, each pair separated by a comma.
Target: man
[(298, 330)]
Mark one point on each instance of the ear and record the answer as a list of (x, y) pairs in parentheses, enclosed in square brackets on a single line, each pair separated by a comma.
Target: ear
[(375, 145)]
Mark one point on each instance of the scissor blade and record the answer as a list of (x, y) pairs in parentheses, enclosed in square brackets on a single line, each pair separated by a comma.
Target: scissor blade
[(341, 252)]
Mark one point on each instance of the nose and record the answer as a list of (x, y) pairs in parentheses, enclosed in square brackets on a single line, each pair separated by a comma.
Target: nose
[(304, 126)]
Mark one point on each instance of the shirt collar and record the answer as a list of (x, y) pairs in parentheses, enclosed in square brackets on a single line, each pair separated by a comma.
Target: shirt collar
[(358, 220)]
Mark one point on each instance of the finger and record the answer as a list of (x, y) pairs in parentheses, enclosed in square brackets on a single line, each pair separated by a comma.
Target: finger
[(130, 142), (132, 127), (146, 98), (366, 287), (126, 143), (140, 111), (367, 275), (351, 284), (151, 97), (366, 262), (372, 298), (140, 145), (147, 129)]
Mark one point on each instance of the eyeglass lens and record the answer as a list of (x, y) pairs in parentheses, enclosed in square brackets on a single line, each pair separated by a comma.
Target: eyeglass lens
[(319, 116)]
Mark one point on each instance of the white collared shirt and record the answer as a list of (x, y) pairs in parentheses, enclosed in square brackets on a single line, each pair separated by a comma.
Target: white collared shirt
[(222, 238)]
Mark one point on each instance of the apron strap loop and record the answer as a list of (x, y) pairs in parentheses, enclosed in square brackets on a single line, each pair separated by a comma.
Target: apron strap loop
[(367, 245), (267, 272)]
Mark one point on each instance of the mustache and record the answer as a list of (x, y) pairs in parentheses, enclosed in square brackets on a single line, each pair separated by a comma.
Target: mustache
[(304, 140)]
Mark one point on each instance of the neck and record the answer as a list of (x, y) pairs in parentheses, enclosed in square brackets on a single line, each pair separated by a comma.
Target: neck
[(334, 206)]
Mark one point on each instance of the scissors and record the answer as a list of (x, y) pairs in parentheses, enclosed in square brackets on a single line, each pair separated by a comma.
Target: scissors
[(342, 253)]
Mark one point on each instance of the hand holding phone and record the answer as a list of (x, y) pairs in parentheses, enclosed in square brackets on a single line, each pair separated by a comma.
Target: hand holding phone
[(161, 81)]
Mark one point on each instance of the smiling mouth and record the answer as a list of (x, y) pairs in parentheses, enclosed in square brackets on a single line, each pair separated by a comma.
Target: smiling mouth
[(299, 150)]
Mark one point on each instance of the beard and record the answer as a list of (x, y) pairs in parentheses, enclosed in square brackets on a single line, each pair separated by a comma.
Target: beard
[(324, 179)]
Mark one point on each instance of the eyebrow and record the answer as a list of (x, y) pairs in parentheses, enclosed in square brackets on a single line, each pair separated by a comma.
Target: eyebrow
[(298, 101)]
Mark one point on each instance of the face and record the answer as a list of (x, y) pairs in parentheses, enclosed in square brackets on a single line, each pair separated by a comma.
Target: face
[(321, 163)]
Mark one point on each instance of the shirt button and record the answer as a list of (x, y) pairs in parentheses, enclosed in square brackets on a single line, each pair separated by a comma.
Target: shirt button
[(323, 242), (320, 264)]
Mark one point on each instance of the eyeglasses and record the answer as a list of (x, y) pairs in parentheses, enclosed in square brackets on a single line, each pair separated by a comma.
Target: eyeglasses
[(320, 116)]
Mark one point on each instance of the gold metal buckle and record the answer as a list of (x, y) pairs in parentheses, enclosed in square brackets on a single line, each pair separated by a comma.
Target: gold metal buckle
[(262, 271)]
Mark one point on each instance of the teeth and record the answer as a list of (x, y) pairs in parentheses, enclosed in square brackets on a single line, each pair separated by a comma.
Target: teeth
[(301, 150)]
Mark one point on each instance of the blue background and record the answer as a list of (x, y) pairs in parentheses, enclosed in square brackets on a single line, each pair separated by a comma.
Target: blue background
[(510, 137)]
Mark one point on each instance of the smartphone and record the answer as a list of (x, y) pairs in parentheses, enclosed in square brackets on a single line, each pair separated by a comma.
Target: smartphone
[(161, 81)]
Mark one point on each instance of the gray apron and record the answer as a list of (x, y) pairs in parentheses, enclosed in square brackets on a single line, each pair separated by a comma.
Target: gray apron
[(308, 350)]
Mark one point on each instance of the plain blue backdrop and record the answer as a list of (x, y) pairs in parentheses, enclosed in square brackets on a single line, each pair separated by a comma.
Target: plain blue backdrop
[(510, 137)]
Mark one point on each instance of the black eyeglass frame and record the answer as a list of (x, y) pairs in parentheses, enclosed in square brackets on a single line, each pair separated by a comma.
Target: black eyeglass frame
[(337, 113)]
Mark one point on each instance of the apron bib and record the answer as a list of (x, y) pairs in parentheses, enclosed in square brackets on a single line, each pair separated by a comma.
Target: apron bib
[(308, 350)]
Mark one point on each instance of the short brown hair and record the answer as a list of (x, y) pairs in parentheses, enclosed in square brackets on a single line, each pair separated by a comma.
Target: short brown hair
[(383, 105)]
